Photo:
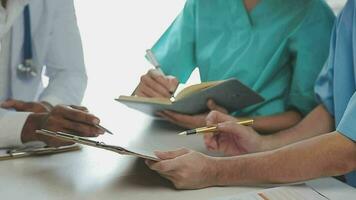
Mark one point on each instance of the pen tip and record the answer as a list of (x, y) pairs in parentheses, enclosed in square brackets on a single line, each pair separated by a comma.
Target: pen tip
[(183, 133)]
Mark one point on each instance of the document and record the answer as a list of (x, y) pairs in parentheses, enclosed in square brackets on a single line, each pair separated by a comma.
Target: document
[(299, 192)]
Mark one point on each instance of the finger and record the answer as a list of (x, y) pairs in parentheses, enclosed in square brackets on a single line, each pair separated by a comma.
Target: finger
[(16, 104), (171, 154), (215, 117), (163, 166), (81, 129), (173, 83), (173, 121), (169, 83), (75, 115), (140, 93), (156, 83), (211, 142), (150, 92), (185, 119), (213, 106)]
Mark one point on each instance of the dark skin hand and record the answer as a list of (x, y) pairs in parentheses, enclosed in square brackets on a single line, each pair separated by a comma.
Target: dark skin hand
[(21, 106), (76, 120)]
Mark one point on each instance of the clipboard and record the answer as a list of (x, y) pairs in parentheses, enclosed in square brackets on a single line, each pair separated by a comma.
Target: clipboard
[(101, 145), (8, 154)]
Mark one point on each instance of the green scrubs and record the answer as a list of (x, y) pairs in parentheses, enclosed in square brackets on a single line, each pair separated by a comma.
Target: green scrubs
[(277, 49)]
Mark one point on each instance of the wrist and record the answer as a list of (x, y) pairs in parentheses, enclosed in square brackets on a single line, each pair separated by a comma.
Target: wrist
[(33, 123), (213, 171), (47, 106)]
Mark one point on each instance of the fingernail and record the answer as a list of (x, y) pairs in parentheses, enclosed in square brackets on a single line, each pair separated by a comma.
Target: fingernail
[(96, 121)]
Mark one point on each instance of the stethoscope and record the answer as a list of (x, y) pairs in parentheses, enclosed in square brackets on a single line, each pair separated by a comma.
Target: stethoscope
[(26, 70)]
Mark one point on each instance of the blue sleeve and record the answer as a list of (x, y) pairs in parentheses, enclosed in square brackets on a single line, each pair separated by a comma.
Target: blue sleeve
[(347, 124), (324, 85), (175, 50)]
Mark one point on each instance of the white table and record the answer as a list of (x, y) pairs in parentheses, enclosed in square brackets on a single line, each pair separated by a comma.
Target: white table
[(98, 174)]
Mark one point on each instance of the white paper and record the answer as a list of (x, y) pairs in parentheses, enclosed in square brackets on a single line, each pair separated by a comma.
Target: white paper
[(301, 192)]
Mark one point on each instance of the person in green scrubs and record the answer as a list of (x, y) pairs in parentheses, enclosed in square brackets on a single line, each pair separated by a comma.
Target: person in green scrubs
[(276, 47)]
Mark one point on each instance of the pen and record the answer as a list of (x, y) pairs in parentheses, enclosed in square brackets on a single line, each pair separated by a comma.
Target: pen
[(153, 60), (104, 129), (86, 110), (213, 128)]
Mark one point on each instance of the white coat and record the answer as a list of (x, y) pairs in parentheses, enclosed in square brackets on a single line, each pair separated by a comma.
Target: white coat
[(57, 51)]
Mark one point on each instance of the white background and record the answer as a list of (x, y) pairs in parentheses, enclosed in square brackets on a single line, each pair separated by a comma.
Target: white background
[(115, 35)]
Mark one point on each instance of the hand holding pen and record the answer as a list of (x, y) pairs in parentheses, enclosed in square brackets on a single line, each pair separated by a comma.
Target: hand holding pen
[(155, 83), (61, 118)]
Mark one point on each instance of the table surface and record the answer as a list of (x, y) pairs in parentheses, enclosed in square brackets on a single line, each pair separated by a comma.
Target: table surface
[(98, 174)]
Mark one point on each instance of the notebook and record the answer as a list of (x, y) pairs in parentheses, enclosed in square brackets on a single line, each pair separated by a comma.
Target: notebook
[(230, 94), (141, 153)]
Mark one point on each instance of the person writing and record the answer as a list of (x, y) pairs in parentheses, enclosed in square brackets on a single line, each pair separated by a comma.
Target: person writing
[(322, 144), (275, 47), (41, 36)]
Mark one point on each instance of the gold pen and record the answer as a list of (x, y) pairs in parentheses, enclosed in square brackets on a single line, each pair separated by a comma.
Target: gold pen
[(213, 128)]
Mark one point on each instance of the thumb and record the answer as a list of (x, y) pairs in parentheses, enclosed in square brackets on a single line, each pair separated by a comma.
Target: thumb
[(172, 83), (213, 106), (171, 154)]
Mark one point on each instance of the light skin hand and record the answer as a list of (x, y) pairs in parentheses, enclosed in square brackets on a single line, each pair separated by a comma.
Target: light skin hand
[(155, 84), (22, 106), (181, 168), (191, 121), (231, 139), (61, 118)]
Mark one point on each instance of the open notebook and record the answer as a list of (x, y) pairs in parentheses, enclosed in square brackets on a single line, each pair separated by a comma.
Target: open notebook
[(230, 94), (98, 144)]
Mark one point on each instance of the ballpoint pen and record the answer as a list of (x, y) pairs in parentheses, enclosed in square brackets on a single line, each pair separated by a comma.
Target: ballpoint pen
[(153, 60), (104, 129), (213, 128)]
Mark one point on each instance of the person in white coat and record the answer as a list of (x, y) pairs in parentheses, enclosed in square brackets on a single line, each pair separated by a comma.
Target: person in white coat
[(56, 50)]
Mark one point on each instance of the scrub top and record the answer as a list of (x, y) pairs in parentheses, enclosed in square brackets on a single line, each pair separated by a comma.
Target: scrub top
[(336, 85), (277, 49)]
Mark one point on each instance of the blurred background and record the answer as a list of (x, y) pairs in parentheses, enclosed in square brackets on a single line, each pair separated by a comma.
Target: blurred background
[(115, 35)]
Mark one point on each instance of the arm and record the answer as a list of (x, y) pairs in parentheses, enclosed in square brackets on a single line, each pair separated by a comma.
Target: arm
[(64, 59), (319, 121), (175, 53), (232, 139), (327, 155), (274, 123)]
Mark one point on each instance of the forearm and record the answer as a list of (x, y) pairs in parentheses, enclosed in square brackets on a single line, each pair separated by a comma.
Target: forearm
[(272, 124), (318, 122), (328, 155)]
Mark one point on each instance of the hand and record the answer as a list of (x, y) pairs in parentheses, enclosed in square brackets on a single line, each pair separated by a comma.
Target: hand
[(191, 121), (21, 106), (155, 84), (232, 139), (186, 169), (61, 118)]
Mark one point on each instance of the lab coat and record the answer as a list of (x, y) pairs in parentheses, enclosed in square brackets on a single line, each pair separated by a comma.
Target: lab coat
[(57, 51)]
